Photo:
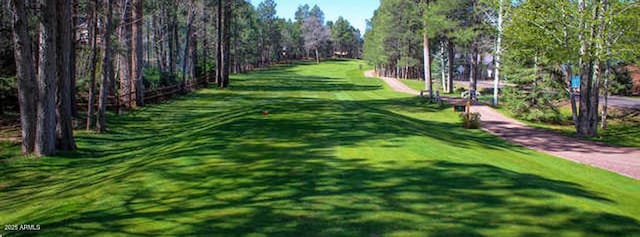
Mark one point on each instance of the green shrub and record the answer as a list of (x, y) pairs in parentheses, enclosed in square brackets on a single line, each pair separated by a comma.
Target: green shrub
[(471, 121), (538, 106)]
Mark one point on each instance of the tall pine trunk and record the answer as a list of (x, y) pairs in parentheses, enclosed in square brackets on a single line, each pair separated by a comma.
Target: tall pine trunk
[(107, 68), (64, 127), (73, 64), (227, 42), (450, 59), (137, 52), (473, 69), (205, 50), (94, 63), (124, 56), (187, 47), (27, 84), (443, 63), (47, 75), (193, 69), (158, 40), (219, 58)]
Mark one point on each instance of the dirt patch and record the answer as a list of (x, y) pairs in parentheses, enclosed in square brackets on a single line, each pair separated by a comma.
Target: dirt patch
[(10, 128)]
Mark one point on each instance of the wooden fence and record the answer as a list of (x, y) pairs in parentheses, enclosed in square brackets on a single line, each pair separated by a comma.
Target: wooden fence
[(150, 96)]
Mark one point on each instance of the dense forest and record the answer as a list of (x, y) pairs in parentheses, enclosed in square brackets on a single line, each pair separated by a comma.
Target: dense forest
[(66, 63), (538, 45)]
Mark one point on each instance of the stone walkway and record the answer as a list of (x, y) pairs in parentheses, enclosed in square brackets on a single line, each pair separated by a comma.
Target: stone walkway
[(621, 160)]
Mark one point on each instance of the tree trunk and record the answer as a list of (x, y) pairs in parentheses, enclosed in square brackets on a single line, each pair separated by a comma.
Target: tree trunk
[(73, 62), (606, 18), (175, 37), (187, 47), (193, 69), (64, 127), (147, 63), (137, 55), (450, 59), (27, 84), (317, 57), (219, 58), (496, 79), (124, 56), (107, 68), (428, 85), (46, 132), (170, 40), (94, 62), (589, 89), (443, 63), (158, 40), (605, 103), (205, 50), (582, 127), (598, 34), (227, 36), (473, 69)]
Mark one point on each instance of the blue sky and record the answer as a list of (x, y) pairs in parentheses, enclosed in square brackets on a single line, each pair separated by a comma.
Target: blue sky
[(355, 11)]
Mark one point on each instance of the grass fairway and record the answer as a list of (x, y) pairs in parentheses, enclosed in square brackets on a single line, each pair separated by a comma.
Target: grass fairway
[(338, 155)]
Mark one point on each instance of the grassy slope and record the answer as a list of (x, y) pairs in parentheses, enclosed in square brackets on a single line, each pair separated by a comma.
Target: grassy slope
[(338, 155)]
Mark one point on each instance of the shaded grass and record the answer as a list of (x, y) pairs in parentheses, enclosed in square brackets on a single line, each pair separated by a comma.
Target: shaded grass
[(338, 155)]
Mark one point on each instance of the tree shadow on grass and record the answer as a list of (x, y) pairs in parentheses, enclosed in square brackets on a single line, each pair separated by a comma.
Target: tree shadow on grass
[(195, 167), (224, 171), (293, 82), (320, 195)]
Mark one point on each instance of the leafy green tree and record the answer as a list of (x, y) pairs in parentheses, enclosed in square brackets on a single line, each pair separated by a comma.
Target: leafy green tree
[(345, 38), (575, 38), (270, 34), (395, 51)]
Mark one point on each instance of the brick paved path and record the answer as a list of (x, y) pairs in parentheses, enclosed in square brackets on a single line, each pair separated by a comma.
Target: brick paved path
[(622, 160)]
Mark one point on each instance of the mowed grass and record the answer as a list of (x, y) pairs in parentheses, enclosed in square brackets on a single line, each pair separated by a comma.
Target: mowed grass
[(337, 155)]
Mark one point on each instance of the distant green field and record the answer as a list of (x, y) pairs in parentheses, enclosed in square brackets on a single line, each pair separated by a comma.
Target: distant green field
[(308, 150)]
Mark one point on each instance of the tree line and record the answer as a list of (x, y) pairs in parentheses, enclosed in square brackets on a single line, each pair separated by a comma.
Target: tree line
[(538, 45), (68, 51)]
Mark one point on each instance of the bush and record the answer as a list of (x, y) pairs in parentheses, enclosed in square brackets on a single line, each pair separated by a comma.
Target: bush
[(540, 106), (472, 121)]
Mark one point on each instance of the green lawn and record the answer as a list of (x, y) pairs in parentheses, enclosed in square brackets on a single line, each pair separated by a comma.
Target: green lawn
[(338, 155)]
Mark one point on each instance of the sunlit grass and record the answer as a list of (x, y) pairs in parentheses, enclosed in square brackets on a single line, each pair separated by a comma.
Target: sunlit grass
[(337, 155)]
